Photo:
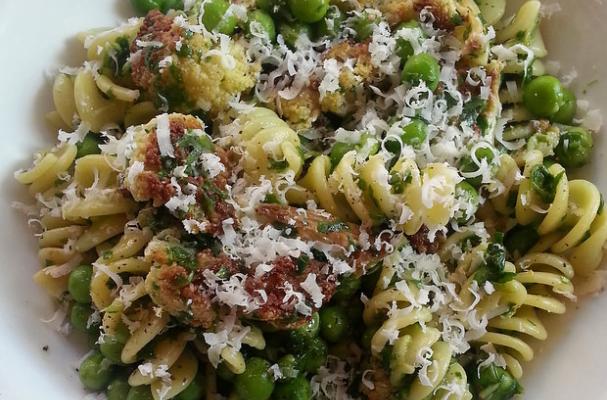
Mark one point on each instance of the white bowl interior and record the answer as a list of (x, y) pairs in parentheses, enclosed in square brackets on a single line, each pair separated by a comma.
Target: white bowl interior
[(37, 37)]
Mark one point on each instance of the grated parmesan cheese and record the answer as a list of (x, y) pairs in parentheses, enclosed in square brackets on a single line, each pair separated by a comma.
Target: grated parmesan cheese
[(163, 136)]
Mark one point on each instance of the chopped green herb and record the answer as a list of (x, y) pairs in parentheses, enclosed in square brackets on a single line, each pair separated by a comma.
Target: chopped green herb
[(544, 183), (278, 165), (302, 263), (182, 255), (223, 273), (330, 227)]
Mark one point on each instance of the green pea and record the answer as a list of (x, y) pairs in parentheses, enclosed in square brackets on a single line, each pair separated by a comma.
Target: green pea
[(348, 286), (520, 239), (255, 383), (140, 393), (79, 316), (422, 67), (543, 96), (312, 355), (293, 389), (195, 389), (261, 22), (338, 151), (415, 133), (118, 389), (215, 18), (567, 111), (79, 284), (575, 147), (89, 145), (292, 31), (329, 26), (95, 372), (111, 348), (468, 193), (142, 7), (363, 25), (334, 323), (309, 330), (495, 383), (308, 11), (288, 366), (404, 49)]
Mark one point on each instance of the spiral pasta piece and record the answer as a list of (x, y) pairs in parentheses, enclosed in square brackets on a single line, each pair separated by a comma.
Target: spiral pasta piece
[(371, 192), (48, 169), (270, 145), (413, 344), (571, 225), (535, 273), (57, 254)]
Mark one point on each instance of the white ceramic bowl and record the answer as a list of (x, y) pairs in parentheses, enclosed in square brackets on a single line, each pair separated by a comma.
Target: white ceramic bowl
[(37, 36)]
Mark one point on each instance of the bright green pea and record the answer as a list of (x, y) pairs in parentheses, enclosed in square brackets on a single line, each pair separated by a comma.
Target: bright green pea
[(215, 18), (288, 366), (79, 316), (195, 390), (467, 192), (255, 383), (95, 372), (79, 284), (118, 389), (363, 25), (310, 329), (566, 113), (308, 11), (404, 49), (575, 147), (89, 145), (329, 26), (293, 389), (312, 355), (422, 67), (292, 31), (140, 393), (334, 323), (348, 286), (261, 22), (111, 348), (142, 7), (415, 133), (543, 96), (520, 239)]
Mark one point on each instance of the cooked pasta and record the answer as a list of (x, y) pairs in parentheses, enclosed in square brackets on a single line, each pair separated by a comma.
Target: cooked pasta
[(313, 199)]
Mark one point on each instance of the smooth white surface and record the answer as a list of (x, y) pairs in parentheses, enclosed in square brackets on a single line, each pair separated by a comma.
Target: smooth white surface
[(36, 36)]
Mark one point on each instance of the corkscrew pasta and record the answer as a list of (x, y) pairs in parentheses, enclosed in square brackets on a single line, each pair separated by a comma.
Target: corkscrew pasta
[(314, 200)]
